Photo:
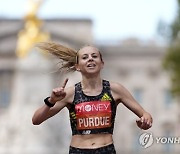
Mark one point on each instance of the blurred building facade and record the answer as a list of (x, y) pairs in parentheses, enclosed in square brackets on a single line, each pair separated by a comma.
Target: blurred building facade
[(24, 83)]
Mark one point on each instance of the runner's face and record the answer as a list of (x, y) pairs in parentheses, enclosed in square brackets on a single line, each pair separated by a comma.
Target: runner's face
[(89, 60)]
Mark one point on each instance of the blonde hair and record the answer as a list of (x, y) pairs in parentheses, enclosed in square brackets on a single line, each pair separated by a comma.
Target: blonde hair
[(67, 55)]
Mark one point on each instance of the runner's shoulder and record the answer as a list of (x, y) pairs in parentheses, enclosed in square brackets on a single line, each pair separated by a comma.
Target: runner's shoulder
[(115, 86)]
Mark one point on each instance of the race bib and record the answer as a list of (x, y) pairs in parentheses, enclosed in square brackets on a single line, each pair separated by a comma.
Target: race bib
[(92, 115)]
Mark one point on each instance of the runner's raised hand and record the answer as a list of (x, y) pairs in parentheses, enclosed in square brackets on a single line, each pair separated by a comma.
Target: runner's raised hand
[(58, 93)]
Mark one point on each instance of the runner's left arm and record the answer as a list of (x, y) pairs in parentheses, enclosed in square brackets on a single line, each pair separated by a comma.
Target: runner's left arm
[(145, 119)]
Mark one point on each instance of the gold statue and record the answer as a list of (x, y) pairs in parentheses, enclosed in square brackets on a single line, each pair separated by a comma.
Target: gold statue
[(31, 33)]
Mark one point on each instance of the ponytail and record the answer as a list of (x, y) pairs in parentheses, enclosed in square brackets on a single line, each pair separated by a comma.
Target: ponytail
[(67, 55)]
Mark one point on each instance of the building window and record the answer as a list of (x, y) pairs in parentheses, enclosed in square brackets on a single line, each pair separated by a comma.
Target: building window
[(5, 88), (138, 94)]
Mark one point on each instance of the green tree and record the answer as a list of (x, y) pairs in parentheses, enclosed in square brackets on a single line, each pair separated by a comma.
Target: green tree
[(172, 58)]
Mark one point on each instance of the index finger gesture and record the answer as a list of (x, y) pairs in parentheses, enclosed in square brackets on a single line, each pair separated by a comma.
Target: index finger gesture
[(65, 82)]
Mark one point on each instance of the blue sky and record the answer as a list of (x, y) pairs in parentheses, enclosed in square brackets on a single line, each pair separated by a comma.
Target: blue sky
[(112, 19)]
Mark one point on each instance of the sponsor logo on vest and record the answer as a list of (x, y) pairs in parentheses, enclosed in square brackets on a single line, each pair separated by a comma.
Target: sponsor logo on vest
[(86, 132), (106, 97), (73, 115), (93, 106)]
